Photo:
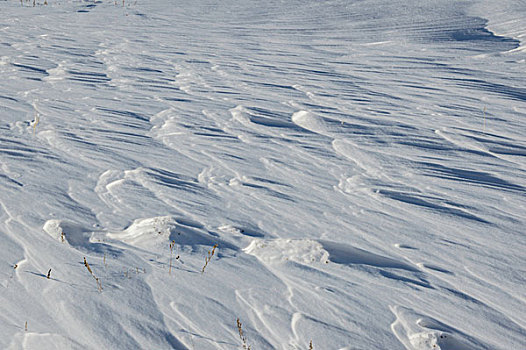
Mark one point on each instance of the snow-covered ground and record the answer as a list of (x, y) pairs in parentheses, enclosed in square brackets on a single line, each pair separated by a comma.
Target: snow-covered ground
[(361, 166)]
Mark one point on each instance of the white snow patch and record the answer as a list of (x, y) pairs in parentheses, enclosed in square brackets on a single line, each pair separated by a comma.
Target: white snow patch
[(310, 121), (304, 251)]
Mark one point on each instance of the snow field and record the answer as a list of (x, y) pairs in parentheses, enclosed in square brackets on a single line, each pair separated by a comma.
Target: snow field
[(360, 165)]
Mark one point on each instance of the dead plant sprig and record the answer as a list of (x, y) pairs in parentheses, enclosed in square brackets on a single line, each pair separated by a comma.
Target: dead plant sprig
[(209, 257), (127, 271), (172, 245), (37, 119), (242, 335), (99, 284)]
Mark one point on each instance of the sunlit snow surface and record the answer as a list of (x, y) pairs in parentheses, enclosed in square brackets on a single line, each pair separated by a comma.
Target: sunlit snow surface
[(360, 164)]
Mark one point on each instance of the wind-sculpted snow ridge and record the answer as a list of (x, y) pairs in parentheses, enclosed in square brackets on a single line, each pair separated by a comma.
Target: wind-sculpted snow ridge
[(350, 173)]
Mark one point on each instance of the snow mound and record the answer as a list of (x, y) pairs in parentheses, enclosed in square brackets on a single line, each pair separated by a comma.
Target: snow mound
[(304, 251), (68, 232), (79, 237), (144, 232), (348, 255), (309, 121), (309, 251), (149, 233), (420, 332)]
